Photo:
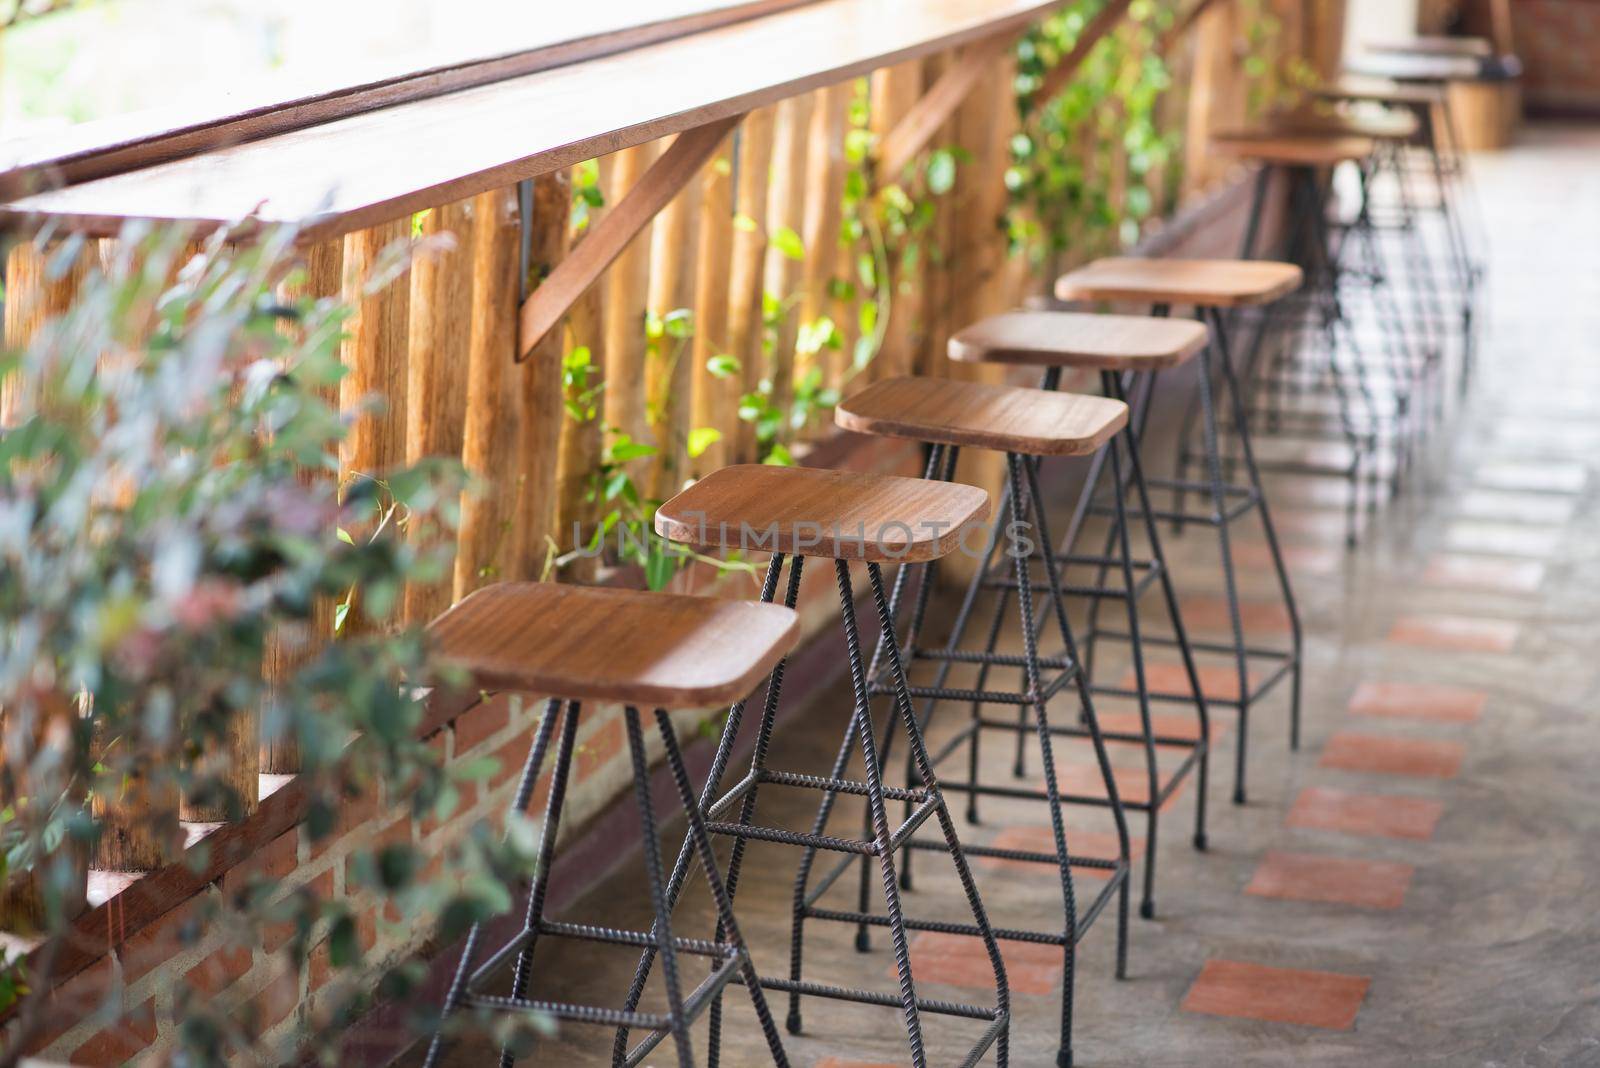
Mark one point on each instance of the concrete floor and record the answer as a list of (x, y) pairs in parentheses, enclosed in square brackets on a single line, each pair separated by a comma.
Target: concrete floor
[(1423, 872)]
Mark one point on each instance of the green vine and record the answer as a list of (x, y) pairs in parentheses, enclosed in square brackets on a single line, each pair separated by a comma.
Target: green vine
[(1059, 193)]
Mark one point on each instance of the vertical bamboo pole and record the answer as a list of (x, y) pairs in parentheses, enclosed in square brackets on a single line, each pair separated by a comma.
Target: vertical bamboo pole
[(485, 548), (539, 442), (986, 122), (938, 277), (582, 439), (673, 252), (715, 399), (286, 653), (746, 270), (375, 355), (628, 289), (32, 299), (1213, 36), (894, 91), (786, 211), (441, 331), (824, 188)]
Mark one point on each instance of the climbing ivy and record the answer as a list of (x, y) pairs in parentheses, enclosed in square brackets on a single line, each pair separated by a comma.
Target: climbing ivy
[(1060, 195)]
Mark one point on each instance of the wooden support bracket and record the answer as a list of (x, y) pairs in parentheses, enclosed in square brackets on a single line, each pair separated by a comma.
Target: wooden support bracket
[(557, 294), (934, 108), (1102, 24)]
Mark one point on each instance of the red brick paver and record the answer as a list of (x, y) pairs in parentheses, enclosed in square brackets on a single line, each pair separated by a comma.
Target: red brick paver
[(1219, 681), (1461, 633), (1324, 808), (1393, 756), (1410, 700), (1093, 845), (1372, 884), (961, 960), (1281, 995)]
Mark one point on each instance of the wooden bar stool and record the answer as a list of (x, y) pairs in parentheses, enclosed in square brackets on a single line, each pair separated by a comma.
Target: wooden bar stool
[(1129, 352), (1442, 172), (1025, 424), (850, 518), (644, 650), (1290, 393), (1213, 287), (1409, 308)]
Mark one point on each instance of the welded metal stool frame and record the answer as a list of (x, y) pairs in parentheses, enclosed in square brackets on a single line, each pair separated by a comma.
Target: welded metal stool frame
[(1445, 166), (728, 953), (1228, 503), (1022, 484), (881, 842), (1333, 363)]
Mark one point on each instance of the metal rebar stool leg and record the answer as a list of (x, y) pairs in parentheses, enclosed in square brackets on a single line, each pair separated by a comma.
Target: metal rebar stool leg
[(1269, 531), (713, 785), (758, 764), (1201, 754), (520, 803), (656, 881), (1050, 423), (786, 509), (1000, 1033), (1069, 934), (632, 648), (1219, 508), (1121, 868)]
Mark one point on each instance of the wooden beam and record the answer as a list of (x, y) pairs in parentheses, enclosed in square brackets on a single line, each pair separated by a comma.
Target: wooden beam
[(366, 169), (545, 307), (1102, 24), (126, 143), (916, 128)]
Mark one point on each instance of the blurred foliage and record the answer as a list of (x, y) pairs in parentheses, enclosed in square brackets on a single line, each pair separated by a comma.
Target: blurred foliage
[(1062, 158), (161, 526)]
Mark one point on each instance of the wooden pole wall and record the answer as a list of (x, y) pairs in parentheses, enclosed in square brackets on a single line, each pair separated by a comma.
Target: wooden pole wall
[(436, 382), (485, 546), (530, 526), (714, 398), (747, 265), (786, 211), (674, 245), (628, 283)]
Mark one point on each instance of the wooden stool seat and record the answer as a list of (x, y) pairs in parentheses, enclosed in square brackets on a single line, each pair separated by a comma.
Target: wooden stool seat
[(1293, 149), (939, 411), (1204, 283), (1079, 339), (1414, 67), (1380, 91), (1387, 126), (1435, 45), (810, 511), (650, 650)]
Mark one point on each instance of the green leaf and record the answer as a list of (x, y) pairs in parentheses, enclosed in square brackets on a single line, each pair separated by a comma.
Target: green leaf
[(659, 566), (679, 324), (941, 172), (744, 223), (702, 438), (779, 456), (788, 243), (722, 366), (623, 451)]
